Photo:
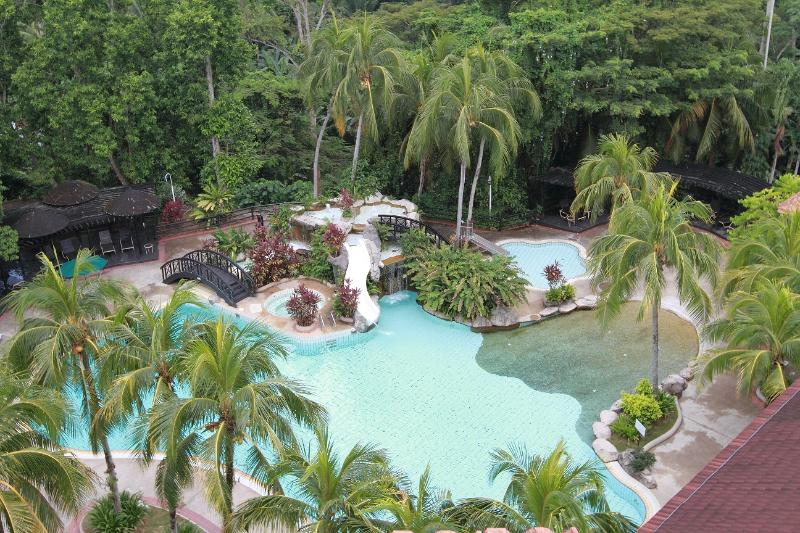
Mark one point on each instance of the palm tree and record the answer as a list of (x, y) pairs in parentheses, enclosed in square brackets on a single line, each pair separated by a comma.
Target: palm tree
[(620, 171), (63, 326), (336, 494), (761, 332), (140, 370), (236, 398), (707, 122), (38, 480), (770, 250), (645, 238), (371, 58), (422, 512), (519, 93), (552, 492)]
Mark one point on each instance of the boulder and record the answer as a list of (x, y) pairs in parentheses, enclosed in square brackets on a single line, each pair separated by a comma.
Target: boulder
[(503, 316), (548, 311), (587, 302), (625, 459), (360, 323), (608, 416), (375, 260), (687, 373), (567, 307), (370, 234), (340, 261), (674, 384), (616, 406), (606, 451), (601, 431), (481, 322), (647, 480)]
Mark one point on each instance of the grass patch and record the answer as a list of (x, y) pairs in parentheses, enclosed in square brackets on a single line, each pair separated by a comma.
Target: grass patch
[(658, 428), (155, 521)]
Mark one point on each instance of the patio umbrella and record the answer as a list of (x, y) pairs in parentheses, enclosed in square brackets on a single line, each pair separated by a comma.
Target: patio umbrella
[(72, 192), (133, 202), (40, 222)]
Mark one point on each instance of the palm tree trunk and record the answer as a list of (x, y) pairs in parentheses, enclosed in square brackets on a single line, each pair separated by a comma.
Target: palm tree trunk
[(229, 480), (765, 43), (774, 164), (797, 165), (460, 211), (173, 519), (318, 148), (654, 358), (94, 407), (211, 98), (357, 148), (475, 179), (123, 180), (423, 168)]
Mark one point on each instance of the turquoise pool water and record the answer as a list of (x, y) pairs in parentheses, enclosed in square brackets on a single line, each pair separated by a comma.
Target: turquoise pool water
[(412, 385), (533, 257), (276, 304)]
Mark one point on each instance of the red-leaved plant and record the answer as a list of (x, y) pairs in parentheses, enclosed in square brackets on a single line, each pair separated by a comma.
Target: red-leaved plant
[(172, 212), (302, 305), (273, 258), (345, 300), (345, 200), (334, 237), (554, 276)]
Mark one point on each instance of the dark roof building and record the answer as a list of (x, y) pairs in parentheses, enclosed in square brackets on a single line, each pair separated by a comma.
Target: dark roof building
[(753, 484)]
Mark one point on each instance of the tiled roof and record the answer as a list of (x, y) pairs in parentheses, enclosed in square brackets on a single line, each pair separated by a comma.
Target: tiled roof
[(790, 205), (753, 484)]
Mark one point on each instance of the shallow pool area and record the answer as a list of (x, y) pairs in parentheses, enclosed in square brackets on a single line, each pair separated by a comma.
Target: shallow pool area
[(276, 304), (532, 256), (413, 385)]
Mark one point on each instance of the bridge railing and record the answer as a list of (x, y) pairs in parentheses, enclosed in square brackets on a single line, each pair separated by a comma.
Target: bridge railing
[(401, 224), (235, 216), (184, 267), (223, 262)]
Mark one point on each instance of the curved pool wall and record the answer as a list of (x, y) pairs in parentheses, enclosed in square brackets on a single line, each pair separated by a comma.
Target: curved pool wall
[(424, 398), (532, 256)]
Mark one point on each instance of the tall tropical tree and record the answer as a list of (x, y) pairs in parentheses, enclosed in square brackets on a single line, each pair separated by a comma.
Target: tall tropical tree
[(769, 250), (371, 58), (645, 240), (38, 480), (236, 398), (141, 369), (761, 332), (619, 172), (63, 324), (422, 512), (552, 491), (335, 493)]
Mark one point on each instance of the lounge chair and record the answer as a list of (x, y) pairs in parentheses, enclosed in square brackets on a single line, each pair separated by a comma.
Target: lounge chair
[(68, 248), (125, 241), (566, 215), (106, 243)]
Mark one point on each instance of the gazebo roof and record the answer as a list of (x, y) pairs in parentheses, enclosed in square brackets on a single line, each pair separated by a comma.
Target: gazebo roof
[(72, 192), (722, 181), (40, 222), (132, 202)]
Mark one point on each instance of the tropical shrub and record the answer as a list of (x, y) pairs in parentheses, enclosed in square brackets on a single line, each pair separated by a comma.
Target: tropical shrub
[(316, 264), (345, 300), (334, 237), (383, 232), (644, 387), (764, 204), (214, 200), (266, 192), (302, 305), (642, 460), (413, 241), (103, 519), (459, 282), (666, 402), (560, 294), (346, 203), (233, 242), (555, 278), (643, 407), (624, 427), (280, 222), (172, 212), (273, 258)]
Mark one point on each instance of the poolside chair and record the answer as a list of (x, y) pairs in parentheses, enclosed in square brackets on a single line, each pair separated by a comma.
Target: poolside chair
[(68, 248), (125, 240), (106, 244), (566, 215)]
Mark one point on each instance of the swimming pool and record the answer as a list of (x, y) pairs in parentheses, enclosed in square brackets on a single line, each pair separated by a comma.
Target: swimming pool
[(532, 257), (424, 398), (276, 304)]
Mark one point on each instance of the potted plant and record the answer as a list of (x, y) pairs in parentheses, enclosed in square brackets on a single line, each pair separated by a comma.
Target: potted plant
[(345, 302), (302, 307)]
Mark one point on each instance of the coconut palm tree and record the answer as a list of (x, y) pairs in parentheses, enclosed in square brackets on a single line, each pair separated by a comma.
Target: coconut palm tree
[(770, 250), (371, 58), (38, 480), (335, 494), (422, 512), (63, 324), (645, 239), (552, 492), (761, 332), (236, 399), (141, 369), (620, 171)]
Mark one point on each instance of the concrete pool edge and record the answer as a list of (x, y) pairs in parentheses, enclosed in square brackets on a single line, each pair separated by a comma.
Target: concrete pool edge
[(553, 240), (651, 505)]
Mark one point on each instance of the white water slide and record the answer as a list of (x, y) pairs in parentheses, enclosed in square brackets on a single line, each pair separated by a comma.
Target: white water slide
[(358, 266)]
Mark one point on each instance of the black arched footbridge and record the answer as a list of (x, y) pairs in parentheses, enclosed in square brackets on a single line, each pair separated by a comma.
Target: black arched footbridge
[(399, 225), (230, 281)]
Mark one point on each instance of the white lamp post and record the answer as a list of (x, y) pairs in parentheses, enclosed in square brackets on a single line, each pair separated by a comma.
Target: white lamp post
[(168, 177)]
